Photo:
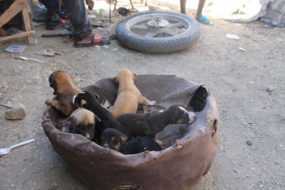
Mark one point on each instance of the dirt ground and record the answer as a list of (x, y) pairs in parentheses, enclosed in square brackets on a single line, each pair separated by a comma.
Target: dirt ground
[(249, 87)]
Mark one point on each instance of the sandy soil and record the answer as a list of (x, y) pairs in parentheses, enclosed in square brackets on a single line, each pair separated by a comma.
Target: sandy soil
[(249, 87)]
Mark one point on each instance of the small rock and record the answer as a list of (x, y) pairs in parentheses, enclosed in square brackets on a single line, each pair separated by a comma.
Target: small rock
[(269, 90), (242, 49), (236, 171), (232, 36), (16, 113), (249, 143)]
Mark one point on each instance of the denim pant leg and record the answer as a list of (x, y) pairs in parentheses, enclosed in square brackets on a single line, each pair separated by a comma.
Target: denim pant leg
[(52, 7), (81, 26)]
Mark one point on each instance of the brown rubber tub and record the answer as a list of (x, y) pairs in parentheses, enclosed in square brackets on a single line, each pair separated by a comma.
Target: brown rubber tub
[(174, 168)]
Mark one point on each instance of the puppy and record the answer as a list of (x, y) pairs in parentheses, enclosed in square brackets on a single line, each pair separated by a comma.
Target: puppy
[(103, 116), (170, 134), (81, 121), (64, 90), (128, 96), (151, 123), (199, 99), (62, 83), (62, 104), (135, 124), (139, 144), (114, 139)]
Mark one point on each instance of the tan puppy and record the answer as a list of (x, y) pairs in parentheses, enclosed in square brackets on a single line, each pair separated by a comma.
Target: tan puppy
[(129, 96), (64, 90)]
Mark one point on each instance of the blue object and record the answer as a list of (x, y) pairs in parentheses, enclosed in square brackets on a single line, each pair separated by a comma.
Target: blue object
[(204, 19)]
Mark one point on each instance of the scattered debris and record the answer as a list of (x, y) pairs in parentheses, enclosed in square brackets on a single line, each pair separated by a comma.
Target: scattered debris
[(17, 112), (269, 90), (28, 59), (236, 171), (5, 106), (249, 143), (50, 53), (5, 151), (232, 36), (15, 48), (242, 49)]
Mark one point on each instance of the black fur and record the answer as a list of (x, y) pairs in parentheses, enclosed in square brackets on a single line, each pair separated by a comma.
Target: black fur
[(139, 144), (151, 123), (104, 118), (133, 124), (52, 83), (114, 139), (199, 99)]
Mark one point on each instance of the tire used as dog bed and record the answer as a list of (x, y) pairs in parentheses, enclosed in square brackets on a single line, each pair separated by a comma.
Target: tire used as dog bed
[(158, 32), (173, 168)]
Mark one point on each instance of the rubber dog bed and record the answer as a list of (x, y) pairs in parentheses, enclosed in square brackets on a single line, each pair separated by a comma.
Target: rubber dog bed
[(174, 168)]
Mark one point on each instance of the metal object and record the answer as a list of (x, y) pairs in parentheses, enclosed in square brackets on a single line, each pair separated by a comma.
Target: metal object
[(5, 151), (158, 26)]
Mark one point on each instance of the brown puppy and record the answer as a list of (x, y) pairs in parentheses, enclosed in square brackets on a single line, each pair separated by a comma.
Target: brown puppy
[(64, 90), (129, 96), (63, 84)]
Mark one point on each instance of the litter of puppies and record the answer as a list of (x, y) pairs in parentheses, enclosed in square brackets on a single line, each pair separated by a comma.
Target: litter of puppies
[(120, 127)]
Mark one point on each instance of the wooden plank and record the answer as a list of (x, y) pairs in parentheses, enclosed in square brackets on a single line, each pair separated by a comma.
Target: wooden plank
[(16, 36), (27, 21), (11, 12)]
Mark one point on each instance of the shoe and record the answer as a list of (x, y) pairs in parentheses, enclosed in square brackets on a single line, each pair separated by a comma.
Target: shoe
[(204, 20)]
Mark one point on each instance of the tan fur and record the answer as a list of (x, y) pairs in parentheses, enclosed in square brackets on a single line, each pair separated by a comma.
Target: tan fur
[(129, 96), (64, 91), (63, 104), (65, 84), (83, 116)]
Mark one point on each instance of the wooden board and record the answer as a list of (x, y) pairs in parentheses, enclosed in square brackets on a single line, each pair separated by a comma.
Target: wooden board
[(17, 7)]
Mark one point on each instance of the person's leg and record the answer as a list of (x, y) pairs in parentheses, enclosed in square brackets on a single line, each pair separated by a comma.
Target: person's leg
[(199, 16), (183, 6), (75, 10), (52, 11), (200, 8)]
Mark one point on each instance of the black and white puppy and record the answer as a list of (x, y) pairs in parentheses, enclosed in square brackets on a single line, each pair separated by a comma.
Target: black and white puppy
[(135, 124), (114, 139), (81, 121), (104, 118), (151, 123)]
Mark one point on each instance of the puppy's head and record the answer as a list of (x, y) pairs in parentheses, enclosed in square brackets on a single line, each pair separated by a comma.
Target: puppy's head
[(62, 83), (125, 74), (112, 138), (83, 122), (85, 99), (179, 115)]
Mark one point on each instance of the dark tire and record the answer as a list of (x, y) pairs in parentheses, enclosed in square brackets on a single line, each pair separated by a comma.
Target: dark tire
[(158, 44)]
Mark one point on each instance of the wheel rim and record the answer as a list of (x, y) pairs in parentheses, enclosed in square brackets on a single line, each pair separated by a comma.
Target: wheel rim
[(157, 25)]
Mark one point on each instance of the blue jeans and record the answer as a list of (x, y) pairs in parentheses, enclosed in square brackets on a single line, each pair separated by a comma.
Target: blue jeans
[(75, 10)]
